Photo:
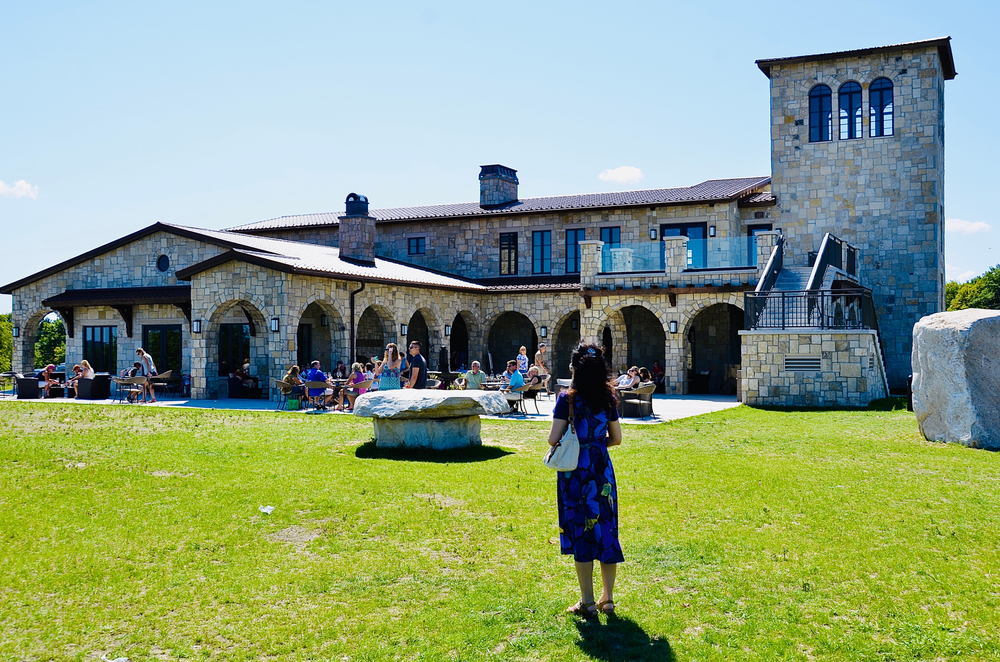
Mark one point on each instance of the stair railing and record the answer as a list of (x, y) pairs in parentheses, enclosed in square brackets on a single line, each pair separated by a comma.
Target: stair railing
[(773, 266)]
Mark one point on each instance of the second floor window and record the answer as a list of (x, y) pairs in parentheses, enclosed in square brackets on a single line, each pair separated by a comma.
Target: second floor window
[(573, 239), (611, 236), (880, 107), (820, 114), (417, 245), (850, 111), (508, 253), (541, 252)]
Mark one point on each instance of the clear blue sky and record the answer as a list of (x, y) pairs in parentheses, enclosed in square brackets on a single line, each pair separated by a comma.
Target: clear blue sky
[(116, 115)]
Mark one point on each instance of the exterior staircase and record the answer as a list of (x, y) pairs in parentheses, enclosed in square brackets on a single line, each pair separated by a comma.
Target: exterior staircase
[(793, 279)]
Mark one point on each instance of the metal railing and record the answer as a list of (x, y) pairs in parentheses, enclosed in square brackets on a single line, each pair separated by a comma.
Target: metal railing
[(712, 253), (812, 309), (831, 254), (773, 266)]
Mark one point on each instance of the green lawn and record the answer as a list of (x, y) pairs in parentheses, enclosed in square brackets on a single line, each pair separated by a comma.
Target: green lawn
[(748, 534)]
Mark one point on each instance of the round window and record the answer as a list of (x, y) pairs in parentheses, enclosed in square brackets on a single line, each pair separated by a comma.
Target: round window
[(163, 263)]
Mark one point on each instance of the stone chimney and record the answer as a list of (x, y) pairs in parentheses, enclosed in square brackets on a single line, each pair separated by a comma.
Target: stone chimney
[(497, 185), (357, 231)]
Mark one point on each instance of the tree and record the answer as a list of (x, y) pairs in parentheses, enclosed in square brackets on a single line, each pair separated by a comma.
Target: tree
[(980, 292), (6, 342), (50, 346), (951, 288)]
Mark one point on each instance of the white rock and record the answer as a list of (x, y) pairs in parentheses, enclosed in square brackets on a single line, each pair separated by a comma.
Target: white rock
[(434, 419), (956, 377), (412, 403)]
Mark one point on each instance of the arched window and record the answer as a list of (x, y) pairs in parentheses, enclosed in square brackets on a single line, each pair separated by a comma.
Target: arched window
[(820, 114), (850, 111), (880, 107)]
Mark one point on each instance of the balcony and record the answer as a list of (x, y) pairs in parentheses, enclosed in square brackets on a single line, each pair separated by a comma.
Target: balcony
[(712, 254)]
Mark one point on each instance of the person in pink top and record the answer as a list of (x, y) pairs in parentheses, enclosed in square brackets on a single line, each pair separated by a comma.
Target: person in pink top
[(357, 376)]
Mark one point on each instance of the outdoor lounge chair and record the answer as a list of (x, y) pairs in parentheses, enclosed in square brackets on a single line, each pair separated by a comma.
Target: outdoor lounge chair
[(130, 389), (27, 388), (532, 394), (515, 398), (641, 397), (98, 388)]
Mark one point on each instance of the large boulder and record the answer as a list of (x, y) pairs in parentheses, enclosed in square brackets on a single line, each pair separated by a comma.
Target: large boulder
[(956, 377), (432, 419)]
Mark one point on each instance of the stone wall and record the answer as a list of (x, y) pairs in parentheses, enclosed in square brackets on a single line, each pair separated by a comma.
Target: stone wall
[(851, 372), (884, 194)]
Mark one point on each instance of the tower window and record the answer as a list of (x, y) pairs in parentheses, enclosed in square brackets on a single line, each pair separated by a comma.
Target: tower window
[(508, 253), (820, 114), (880, 107), (850, 111), (417, 245)]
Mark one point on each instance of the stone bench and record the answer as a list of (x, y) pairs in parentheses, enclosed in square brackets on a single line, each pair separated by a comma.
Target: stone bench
[(438, 420)]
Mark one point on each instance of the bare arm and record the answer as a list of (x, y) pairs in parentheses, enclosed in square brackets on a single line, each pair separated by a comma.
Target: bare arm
[(614, 433), (558, 429), (413, 377)]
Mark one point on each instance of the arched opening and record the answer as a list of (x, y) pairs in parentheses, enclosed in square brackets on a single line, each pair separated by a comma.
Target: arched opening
[(372, 335), (417, 330), (646, 338), (236, 332), (320, 337), (714, 349), (49, 344), (608, 343), (567, 338), (459, 344), (510, 331)]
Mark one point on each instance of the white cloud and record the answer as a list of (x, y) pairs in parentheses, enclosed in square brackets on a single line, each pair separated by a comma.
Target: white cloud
[(963, 277), (621, 175), (19, 189), (966, 227)]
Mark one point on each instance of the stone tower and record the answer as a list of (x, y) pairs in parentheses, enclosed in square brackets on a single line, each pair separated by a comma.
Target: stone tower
[(857, 150)]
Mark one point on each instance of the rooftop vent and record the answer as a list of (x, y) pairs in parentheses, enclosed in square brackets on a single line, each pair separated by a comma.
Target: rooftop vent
[(357, 205), (497, 185)]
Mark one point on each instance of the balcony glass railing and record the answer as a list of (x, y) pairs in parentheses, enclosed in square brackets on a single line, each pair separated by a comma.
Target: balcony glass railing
[(714, 253)]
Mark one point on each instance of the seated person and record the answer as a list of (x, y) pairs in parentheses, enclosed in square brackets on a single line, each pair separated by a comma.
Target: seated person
[(357, 376), (533, 377), (46, 380), (129, 373), (473, 379), (74, 378), (314, 374), (294, 388), (243, 374), (645, 375), (658, 373), (629, 380), (340, 372), (513, 376)]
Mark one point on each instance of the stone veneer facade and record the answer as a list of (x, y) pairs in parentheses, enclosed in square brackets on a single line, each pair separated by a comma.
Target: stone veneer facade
[(884, 195)]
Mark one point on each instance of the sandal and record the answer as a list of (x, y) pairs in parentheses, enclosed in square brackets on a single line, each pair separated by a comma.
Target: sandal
[(585, 609), (607, 607)]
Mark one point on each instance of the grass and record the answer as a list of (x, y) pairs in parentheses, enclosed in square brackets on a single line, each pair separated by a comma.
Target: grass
[(748, 534)]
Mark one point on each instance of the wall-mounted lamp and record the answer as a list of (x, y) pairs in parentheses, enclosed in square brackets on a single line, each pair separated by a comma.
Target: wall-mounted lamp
[(673, 326), (402, 329), (274, 325), (324, 320), (652, 233), (711, 230), (196, 326), (17, 332), (544, 332), (447, 329)]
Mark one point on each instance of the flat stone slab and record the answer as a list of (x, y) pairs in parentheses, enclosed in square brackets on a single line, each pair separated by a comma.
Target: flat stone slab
[(437, 420), (956, 377), (433, 404)]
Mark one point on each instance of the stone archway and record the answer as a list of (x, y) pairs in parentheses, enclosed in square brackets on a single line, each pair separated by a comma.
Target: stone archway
[(375, 329), (459, 344), (714, 349), (508, 333), (646, 337), (417, 329), (320, 336), (567, 337), (236, 330)]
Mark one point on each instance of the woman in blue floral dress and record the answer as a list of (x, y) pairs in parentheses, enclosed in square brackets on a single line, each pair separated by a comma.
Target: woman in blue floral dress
[(588, 495), (388, 371)]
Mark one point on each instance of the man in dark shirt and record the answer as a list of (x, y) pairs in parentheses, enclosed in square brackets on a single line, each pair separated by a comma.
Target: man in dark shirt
[(418, 367)]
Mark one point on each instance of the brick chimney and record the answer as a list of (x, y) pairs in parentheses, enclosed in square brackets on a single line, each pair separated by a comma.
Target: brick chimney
[(357, 231), (497, 185)]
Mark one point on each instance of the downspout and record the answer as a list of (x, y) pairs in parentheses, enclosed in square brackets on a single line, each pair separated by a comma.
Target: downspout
[(351, 358)]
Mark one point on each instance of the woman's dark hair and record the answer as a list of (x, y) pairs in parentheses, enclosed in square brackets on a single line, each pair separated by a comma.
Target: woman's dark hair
[(590, 378), (645, 375)]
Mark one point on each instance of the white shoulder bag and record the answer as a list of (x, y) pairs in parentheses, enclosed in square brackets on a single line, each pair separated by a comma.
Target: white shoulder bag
[(565, 455)]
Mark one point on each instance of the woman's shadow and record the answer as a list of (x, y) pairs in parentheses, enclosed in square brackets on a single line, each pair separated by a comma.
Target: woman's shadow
[(621, 639)]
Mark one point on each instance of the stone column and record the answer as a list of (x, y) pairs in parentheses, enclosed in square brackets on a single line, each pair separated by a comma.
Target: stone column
[(590, 262), (675, 255), (20, 361)]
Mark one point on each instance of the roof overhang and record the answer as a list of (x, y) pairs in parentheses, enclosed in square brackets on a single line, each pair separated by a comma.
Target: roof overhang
[(943, 45), (121, 299)]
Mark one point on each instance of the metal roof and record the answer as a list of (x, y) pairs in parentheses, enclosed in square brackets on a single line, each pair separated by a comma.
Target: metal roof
[(713, 190), (943, 45)]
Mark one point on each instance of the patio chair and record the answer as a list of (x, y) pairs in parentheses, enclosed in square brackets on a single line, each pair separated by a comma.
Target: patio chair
[(532, 394), (284, 391), (313, 386), (546, 380), (98, 388), (432, 384), (641, 397), (515, 398), (27, 388), (130, 389)]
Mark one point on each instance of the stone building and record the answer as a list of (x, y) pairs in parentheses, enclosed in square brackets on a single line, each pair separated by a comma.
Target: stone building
[(848, 231)]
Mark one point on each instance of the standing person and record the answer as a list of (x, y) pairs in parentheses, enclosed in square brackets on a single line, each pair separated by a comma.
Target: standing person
[(522, 361), (388, 372), (148, 371), (418, 367), (588, 495), (542, 368), (473, 379)]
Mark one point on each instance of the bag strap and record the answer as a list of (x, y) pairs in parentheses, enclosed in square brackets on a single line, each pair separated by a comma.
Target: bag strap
[(572, 424)]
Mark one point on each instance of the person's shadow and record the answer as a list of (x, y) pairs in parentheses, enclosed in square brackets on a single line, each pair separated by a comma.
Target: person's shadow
[(621, 639)]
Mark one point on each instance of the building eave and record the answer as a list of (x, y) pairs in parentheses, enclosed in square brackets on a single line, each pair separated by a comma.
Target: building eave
[(943, 44)]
